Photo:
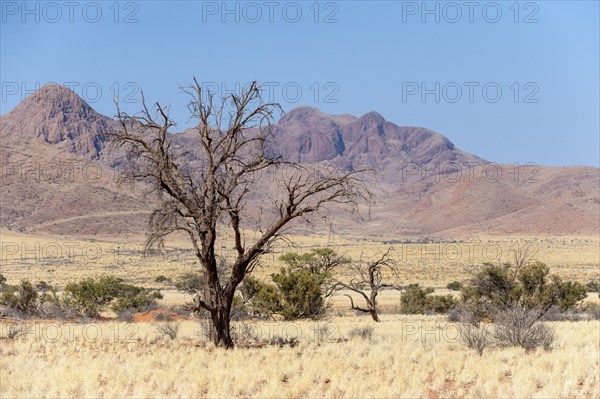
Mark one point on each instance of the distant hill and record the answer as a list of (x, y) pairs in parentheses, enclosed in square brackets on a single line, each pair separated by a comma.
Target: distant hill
[(57, 176)]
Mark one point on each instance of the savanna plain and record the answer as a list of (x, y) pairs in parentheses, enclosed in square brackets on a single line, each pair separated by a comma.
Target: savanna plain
[(342, 354)]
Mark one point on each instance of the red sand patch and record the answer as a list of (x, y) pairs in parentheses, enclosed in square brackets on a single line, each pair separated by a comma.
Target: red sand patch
[(154, 315)]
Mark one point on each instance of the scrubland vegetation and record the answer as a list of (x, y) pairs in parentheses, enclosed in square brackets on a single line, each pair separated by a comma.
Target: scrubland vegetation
[(532, 347)]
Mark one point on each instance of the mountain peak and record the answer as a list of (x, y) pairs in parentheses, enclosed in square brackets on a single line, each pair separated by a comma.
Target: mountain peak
[(57, 115), (372, 117), (300, 114), (306, 115), (56, 90), (54, 98)]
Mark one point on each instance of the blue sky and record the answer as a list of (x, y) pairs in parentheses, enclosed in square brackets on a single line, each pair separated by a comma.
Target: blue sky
[(511, 82)]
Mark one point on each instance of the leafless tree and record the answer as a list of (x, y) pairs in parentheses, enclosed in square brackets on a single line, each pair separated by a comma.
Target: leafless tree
[(233, 136), (368, 282)]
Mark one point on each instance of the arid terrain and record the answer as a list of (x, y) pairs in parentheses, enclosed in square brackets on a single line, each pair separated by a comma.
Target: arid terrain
[(68, 214), (299, 199), (403, 356), (60, 259)]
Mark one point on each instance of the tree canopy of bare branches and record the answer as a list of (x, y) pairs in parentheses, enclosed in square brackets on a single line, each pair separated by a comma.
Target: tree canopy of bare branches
[(368, 281), (233, 135)]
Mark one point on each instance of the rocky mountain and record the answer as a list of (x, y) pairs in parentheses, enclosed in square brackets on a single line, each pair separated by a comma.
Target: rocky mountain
[(57, 176), (56, 115), (307, 135), (51, 176)]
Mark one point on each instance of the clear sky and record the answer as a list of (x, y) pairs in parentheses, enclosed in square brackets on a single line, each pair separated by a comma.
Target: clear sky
[(510, 82)]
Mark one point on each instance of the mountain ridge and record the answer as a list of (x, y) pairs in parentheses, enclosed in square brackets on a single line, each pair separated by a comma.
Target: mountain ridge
[(425, 184)]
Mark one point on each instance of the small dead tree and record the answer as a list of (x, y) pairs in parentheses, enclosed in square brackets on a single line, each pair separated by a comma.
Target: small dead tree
[(368, 283), (203, 199)]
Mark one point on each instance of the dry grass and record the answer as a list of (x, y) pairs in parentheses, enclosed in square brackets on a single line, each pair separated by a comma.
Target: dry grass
[(59, 260), (417, 357)]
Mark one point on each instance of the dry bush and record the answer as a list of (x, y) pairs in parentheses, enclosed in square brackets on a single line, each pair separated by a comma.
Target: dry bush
[(15, 331), (593, 310), (556, 314), (284, 341), (53, 310), (168, 329), (205, 330), (457, 314), (12, 313), (242, 331), (179, 311), (365, 332), (126, 315), (162, 317), (521, 327), (475, 337)]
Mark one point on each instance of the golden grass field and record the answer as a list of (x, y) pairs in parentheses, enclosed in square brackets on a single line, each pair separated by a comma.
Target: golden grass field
[(59, 260), (408, 357)]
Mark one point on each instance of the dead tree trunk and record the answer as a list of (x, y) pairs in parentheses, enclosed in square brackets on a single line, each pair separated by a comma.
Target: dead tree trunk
[(373, 305), (220, 333)]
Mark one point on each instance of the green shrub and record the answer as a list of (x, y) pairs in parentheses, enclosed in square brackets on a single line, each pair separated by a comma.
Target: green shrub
[(92, 295), (317, 261), (21, 298), (417, 300), (571, 293), (497, 288), (267, 300), (26, 300), (250, 288), (296, 294), (412, 300), (253, 299), (135, 298), (455, 286), (439, 303), (2, 279), (298, 290), (300, 293), (190, 282)]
